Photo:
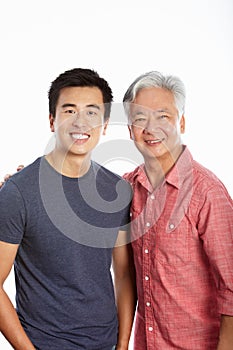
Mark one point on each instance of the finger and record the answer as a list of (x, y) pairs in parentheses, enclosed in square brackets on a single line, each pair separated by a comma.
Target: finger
[(20, 167), (6, 177)]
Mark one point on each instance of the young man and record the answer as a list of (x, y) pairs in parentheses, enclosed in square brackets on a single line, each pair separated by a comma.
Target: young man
[(63, 220), (182, 228)]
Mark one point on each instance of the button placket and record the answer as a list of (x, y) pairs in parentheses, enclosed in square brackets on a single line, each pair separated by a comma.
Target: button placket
[(147, 283), (147, 286)]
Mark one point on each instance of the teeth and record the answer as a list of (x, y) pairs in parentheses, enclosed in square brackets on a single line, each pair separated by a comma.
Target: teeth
[(153, 141), (80, 136)]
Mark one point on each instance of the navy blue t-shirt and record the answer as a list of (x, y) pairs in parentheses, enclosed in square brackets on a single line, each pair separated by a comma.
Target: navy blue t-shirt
[(66, 229)]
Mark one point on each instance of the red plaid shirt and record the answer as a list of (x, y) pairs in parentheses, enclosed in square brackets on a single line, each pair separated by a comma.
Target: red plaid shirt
[(183, 249)]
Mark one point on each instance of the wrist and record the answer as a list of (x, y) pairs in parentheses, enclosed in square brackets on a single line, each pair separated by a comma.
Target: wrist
[(121, 346)]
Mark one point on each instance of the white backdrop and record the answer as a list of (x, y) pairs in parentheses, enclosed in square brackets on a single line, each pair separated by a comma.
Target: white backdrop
[(120, 39)]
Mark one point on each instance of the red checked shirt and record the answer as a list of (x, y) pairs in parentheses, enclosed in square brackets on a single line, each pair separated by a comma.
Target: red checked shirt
[(183, 249)]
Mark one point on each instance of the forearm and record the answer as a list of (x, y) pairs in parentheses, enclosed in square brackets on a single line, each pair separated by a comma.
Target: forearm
[(10, 325), (126, 303), (226, 333)]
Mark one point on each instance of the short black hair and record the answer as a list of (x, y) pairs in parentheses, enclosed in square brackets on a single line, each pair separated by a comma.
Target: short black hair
[(80, 77)]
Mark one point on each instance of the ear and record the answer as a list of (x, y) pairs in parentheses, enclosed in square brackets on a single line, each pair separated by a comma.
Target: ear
[(105, 127), (130, 132), (182, 124), (51, 122)]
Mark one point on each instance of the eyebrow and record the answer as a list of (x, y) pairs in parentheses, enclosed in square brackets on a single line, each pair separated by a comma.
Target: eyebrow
[(68, 105), (93, 106), (74, 105), (163, 110), (143, 109)]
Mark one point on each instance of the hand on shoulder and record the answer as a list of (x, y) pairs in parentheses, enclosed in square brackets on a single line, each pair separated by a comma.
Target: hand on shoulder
[(7, 176)]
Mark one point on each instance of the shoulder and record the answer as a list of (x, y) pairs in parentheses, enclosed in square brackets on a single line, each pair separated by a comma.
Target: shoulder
[(208, 189), (27, 171), (205, 178), (104, 174), (110, 181), (24, 178), (131, 176)]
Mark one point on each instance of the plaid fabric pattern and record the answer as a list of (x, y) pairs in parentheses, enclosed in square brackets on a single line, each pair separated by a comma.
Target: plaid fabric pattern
[(182, 236)]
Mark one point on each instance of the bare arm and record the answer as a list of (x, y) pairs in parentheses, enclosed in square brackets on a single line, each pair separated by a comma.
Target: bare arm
[(10, 325), (226, 333), (125, 289)]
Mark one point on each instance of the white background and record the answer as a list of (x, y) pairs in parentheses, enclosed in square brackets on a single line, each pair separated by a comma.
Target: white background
[(120, 39)]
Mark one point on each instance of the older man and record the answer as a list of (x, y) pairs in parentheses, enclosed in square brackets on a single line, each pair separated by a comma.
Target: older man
[(182, 228)]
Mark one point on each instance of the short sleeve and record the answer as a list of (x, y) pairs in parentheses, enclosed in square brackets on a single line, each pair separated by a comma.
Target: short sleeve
[(127, 193), (12, 214), (216, 228)]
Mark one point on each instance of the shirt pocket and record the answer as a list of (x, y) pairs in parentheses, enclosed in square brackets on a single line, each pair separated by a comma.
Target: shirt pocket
[(172, 247)]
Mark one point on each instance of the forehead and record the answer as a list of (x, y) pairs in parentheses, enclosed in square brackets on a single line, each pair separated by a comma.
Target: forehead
[(155, 98), (80, 96)]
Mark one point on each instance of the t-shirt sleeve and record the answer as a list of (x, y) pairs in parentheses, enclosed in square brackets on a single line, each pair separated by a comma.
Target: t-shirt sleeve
[(12, 214), (126, 212)]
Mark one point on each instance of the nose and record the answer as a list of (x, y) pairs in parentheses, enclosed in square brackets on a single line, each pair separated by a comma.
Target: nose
[(79, 120), (151, 125)]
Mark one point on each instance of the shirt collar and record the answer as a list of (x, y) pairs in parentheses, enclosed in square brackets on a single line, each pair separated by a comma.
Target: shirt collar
[(181, 169), (181, 178), (176, 176)]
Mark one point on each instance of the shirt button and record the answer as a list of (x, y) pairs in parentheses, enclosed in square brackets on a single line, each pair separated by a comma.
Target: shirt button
[(148, 224), (147, 278), (152, 196), (148, 303), (146, 251), (171, 226), (130, 214), (150, 329)]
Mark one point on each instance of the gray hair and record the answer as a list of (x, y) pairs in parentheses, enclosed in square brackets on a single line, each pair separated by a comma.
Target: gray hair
[(157, 79)]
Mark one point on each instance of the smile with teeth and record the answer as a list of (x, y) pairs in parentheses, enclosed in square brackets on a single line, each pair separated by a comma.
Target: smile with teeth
[(152, 142), (80, 136)]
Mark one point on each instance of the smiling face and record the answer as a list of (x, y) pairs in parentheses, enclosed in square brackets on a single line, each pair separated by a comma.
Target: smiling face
[(155, 125), (78, 123)]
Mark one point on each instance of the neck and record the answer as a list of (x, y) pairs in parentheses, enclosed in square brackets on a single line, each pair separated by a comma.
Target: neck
[(157, 168), (154, 172), (69, 165)]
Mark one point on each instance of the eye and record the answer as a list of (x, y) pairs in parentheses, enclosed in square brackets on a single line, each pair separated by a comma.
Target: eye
[(70, 111), (91, 113), (163, 117), (140, 119)]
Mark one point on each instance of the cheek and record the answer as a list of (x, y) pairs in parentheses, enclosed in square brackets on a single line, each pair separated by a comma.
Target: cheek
[(170, 130), (97, 131), (135, 133), (61, 125)]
